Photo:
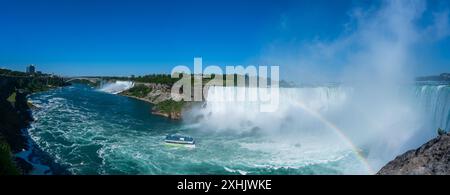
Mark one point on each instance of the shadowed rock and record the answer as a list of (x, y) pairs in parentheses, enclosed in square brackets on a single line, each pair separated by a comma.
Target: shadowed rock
[(432, 158)]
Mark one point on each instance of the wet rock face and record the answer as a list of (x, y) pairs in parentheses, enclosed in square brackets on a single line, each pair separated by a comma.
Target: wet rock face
[(14, 117), (15, 114), (432, 158)]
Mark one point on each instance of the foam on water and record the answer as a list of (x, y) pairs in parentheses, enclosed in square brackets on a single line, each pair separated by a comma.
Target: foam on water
[(98, 133), (378, 128)]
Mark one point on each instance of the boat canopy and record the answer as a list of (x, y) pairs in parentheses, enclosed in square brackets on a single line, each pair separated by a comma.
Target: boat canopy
[(177, 137)]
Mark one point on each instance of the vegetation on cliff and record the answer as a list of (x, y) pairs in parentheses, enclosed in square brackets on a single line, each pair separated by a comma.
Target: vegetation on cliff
[(138, 90), (15, 111), (7, 166), (14, 117), (170, 108), (12, 73), (151, 78), (156, 89), (156, 78), (159, 95), (31, 83), (86, 82)]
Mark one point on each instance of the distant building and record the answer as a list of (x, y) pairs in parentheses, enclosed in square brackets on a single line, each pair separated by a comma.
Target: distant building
[(31, 69)]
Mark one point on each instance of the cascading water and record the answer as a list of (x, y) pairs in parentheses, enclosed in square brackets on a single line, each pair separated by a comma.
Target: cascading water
[(245, 115), (116, 86), (296, 133), (320, 113), (316, 130), (435, 100), (99, 133)]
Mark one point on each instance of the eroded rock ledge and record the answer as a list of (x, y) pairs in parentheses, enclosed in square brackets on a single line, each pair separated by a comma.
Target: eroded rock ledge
[(432, 158), (158, 95)]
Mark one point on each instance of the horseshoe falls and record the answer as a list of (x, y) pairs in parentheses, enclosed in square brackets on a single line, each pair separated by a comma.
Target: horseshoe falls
[(435, 99), (316, 130)]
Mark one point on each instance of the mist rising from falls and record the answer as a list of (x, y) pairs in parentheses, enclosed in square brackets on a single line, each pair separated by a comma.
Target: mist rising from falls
[(116, 86), (245, 115), (383, 126), (376, 57)]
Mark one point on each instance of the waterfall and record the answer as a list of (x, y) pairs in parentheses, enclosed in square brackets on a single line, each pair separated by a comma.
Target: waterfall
[(435, 101), (116, 86), (432, 100), (220, 113), (385, 125)]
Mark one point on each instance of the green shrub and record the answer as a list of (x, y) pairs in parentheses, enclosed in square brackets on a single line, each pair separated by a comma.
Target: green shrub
[(12, 98), (7, 167), (139, 91), (169, 106)]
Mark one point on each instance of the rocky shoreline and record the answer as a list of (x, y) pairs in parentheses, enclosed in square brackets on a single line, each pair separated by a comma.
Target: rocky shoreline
[(173, 116), (157, 95), (16, 113), (432, 158)]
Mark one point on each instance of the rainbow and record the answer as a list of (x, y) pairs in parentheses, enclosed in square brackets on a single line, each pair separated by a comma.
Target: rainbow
[(340, 133)]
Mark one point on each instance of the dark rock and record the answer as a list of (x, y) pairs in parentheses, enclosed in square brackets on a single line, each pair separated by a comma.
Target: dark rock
[(432, 158), (441, 131), (16, 115), (24, 166)]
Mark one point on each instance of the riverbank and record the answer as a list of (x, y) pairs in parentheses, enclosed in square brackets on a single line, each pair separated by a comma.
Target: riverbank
[(176, 116), (73, 116), (16, 114), (159, 95)]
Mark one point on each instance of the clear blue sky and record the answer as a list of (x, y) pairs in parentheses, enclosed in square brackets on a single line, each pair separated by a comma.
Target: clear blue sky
[(108, 37)]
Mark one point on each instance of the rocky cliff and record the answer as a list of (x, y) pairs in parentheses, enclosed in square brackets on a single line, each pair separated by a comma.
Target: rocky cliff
[(159, 95), (16, 115), (432, 158)]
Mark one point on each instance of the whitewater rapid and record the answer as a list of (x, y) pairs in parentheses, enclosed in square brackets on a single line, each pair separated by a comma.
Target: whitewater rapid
[(99, 133)]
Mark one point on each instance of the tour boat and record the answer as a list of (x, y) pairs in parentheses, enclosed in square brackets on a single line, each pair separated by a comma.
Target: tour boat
[(181, 140)]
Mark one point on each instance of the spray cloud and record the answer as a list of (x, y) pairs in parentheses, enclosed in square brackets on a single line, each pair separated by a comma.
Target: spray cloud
[(374, 108)]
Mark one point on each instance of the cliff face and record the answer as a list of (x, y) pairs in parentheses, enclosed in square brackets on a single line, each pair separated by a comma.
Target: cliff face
[(432, 158), (7, 167), (160, 96), (15, 114)]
